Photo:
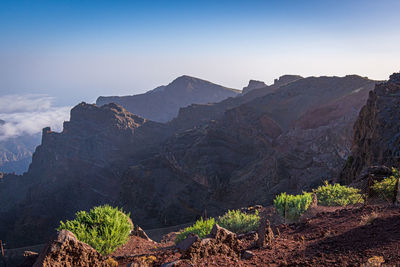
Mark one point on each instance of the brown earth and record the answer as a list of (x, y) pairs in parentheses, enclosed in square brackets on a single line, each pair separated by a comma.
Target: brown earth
[(333, 237)]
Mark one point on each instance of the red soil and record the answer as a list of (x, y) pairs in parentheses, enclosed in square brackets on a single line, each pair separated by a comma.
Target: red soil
[(331, 237)]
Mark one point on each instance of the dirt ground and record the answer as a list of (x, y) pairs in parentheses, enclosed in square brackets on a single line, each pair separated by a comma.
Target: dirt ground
[(325, 237)]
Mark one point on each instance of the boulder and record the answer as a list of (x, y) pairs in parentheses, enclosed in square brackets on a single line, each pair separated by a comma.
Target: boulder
[(141, 233), (247, 255), (65, 250), (219, 242), (187, 242)]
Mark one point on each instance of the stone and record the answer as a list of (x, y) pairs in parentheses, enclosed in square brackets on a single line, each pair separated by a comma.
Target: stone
[(171, 264), (265, 233), (65, 250), (247, 254), (138, 231), (219, 242), (187, 242)]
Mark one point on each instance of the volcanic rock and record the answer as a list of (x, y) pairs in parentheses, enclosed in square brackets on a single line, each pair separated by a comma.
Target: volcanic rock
[(376, 134), (66, 250), (219, 242)]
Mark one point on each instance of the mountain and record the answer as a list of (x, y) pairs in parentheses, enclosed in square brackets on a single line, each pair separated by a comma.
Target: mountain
[(376, 131), (200, 114), (16, 153), (251, 147), (162, 103), (258, 149)]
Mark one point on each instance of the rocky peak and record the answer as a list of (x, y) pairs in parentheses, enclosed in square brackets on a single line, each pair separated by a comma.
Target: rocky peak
[(253, 84)]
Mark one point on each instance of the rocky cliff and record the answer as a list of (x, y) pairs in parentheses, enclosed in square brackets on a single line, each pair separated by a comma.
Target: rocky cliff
[(162, 104), (376, 131), (75, 169)]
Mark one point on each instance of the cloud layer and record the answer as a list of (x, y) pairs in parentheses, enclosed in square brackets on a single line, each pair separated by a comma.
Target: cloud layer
[(29, 114)]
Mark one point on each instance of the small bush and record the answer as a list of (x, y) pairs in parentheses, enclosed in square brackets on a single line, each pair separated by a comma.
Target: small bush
[(201, 228), (385, 188), (104, 228), (337, 195), (239, 222), (296, 204)]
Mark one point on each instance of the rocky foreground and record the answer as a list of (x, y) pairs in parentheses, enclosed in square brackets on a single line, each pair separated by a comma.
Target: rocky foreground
[(352, 236)]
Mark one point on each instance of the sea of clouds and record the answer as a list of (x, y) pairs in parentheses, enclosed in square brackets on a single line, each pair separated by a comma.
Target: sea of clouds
[(29, 114)]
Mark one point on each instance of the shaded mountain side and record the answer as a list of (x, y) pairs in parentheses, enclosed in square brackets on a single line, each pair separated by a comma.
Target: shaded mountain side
[(376, 131), (162, 103), (246, 157), (76, 169), (165, 175), (200, 114)]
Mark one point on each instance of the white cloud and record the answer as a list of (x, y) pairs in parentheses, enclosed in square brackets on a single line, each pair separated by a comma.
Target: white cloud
[(29, 114)]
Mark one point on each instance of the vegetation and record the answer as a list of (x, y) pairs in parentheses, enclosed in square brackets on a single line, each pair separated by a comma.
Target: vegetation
[(385, 188), (239, 222), (201, 228), (337, 195), (104, 228), (296, 204), (234, 220)]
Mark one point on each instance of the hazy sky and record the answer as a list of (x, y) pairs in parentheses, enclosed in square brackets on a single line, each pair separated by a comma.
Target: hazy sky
[(77, 50)]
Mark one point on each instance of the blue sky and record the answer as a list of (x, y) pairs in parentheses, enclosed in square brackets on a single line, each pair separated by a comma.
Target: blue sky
[(78, 50)]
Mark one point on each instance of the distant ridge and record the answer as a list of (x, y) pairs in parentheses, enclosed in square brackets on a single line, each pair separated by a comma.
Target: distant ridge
[(163, 103)]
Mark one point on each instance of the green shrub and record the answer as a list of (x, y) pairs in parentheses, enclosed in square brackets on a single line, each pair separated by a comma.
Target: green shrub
[(104, 228), (296, 204), (337, 195), (239, 222), (385, 188), (200, 228)]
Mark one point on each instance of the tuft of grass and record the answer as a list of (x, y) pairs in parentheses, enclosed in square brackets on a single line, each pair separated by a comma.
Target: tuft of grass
[(201, 228), (104, 228), (296, 204), (385, 189), (239, 222), (337, 195)]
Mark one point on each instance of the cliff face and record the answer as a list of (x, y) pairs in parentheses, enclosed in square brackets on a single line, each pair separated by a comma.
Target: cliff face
[(164, 175), (376, 131), (162, 104), (76, 169)]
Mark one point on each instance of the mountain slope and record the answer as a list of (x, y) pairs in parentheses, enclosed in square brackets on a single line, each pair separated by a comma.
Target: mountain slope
[(162, 104)]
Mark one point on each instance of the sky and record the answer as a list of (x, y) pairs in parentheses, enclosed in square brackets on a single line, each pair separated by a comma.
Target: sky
[(74, 51)]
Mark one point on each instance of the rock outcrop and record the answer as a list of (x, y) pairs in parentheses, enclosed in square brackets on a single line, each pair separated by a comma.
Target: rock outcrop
[(253, 84), (66, 250), (162, 104), (376, 131), (219, 242)]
